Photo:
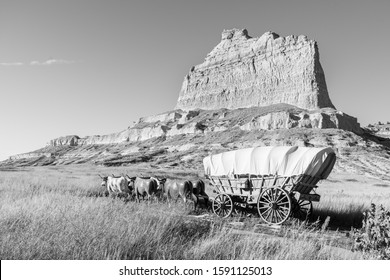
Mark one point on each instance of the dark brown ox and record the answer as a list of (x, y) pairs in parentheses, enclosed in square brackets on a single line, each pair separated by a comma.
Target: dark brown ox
[(174, 189), (144, 186), (200, 194)]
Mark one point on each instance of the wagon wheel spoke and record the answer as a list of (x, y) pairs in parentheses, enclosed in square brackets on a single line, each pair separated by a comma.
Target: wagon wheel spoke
[(264, 207), (266, 211), (283, 213), (304, 203), (278, 215), (275, 216), (266, 199), (277, 198), (268, 195), (226, 213), (272, 195), (217, 205), (269, 214), (284, 204), (281, 199)]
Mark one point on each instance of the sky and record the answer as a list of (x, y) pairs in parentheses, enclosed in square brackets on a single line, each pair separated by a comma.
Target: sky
[(90, 67)]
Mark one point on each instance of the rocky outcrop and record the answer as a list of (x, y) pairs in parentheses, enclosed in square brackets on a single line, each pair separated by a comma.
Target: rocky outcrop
[(320, 119), (380, 129), (165, 117), (29, 156), (209, 121), (71, 140), (243, 72)]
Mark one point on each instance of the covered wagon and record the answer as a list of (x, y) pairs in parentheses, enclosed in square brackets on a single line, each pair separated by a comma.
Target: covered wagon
[(276, 180)]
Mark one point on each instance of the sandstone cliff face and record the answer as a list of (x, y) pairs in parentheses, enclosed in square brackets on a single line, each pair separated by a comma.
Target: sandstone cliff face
[(243, 72), (320, 119), (71, 140)]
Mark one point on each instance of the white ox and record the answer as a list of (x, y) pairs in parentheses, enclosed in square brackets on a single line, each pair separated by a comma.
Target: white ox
[(116, 185)]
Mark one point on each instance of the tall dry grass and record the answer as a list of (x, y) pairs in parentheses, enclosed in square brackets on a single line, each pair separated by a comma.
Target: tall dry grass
[(61, 213)]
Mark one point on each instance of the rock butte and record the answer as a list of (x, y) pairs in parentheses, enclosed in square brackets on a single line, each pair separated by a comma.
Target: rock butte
[(243, 72)]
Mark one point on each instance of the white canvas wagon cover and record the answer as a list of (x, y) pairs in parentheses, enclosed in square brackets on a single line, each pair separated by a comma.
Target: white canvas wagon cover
[(272, 160)]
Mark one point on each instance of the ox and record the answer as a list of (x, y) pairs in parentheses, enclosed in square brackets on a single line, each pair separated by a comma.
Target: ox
[(175, 189), (144, 186), (200, 194), (116, 185)]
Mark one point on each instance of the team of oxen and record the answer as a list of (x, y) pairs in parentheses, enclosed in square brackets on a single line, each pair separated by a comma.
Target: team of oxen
[(152, 187)]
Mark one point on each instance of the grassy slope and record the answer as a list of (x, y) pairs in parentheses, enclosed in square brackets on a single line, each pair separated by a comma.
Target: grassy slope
[(58, 213)]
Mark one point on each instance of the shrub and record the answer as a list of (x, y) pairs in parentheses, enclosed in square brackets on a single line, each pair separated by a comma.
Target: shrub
[(373, 239)]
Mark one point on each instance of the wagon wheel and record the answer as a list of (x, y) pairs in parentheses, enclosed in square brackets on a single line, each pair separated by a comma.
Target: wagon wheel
[(274, 205), (223, 205), (302, 209)]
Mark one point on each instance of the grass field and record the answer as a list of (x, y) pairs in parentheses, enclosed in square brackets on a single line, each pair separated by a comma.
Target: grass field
[(60, 213)]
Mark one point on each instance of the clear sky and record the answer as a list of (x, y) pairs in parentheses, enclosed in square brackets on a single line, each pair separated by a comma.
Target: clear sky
[(89, 67)]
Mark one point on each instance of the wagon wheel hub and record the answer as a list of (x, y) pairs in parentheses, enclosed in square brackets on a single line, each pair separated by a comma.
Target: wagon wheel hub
[(274, 206)]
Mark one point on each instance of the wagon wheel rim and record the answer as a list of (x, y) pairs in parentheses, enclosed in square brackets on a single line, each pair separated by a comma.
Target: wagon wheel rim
[(223, 205), (274, 205), (303, 210)]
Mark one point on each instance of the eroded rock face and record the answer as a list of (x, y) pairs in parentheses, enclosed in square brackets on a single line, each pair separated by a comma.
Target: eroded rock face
[(70, 140), (320, 119), (243, 72), (29, 155), (380, 129), (204, 122), (164, 117)]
